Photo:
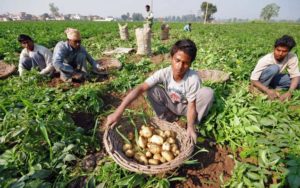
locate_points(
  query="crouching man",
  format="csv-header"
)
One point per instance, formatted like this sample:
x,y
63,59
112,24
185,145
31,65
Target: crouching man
x,y
69,57
174,91
34,56
268,73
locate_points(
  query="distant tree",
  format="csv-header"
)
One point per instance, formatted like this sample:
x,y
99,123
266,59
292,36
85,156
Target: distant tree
x,y
53,9
269,11
137,17
210,8
125,17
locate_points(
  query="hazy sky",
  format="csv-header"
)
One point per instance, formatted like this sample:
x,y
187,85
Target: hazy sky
x,y
289,9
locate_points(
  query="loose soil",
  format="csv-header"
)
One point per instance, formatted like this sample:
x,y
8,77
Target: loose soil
x,y
211,166
157,59
83,120
58,83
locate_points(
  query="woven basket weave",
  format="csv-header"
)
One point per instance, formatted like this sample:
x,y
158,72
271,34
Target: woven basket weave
x,y
113,145
6,69
213,75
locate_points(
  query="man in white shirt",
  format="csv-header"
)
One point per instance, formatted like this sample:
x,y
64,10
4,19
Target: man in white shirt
x,y
174,91
34,55
268,73
149,17
188,27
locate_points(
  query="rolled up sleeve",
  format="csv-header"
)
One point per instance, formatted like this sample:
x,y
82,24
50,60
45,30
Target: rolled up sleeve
x,y
293,68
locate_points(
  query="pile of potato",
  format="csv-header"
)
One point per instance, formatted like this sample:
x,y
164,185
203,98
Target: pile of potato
x,y
153,146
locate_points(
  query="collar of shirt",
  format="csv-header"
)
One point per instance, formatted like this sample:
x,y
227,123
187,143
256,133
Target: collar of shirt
x,y
280,62
69,47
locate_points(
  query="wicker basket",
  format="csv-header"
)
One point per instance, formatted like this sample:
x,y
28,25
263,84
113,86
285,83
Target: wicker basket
x,y
113,145
6,70
213,75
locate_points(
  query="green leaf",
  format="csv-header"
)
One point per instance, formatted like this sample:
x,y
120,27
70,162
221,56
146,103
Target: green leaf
x,y
41,174
122,136
163,183
91,183
253,176
138,180
292,163
266,122
253,129
177,179
189,162
126,180
294,181
69,157
253,118
18,185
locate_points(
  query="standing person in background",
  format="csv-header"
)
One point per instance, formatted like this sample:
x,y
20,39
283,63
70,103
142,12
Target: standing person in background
x,y
149,17
268,73
69,57
34,55
188,27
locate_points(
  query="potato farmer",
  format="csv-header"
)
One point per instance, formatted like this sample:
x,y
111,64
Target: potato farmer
x,y
34,55
149,17
268,73
69,57
188,27
174,91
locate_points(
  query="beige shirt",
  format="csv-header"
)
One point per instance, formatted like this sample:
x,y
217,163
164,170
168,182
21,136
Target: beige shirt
x,y
290,62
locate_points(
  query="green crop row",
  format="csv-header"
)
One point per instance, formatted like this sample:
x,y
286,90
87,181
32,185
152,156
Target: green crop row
x,y
40,145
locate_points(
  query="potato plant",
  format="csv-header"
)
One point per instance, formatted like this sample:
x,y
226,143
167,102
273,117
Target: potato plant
x,y
40,146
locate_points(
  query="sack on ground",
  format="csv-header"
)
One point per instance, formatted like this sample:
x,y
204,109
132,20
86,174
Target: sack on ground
x,y
123,30
164,35
143,38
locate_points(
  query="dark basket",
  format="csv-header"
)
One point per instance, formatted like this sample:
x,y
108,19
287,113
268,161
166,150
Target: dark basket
x,y
113,143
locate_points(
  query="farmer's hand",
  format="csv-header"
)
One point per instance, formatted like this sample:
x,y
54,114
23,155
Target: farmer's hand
x,y
191,133
272,94
113,118
286,96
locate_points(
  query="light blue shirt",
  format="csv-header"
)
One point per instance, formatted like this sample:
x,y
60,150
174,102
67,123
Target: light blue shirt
x,y
64,53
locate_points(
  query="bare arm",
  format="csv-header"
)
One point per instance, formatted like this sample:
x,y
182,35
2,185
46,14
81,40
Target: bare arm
x,y
271,93
293,86
135,93
191,117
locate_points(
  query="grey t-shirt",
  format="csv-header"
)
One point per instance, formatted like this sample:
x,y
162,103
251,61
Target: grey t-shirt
x,y
183,91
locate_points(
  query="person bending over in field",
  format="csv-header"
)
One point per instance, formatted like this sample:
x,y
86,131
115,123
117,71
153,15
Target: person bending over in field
x,y
34,55
173,91
188,27
268,73
69,57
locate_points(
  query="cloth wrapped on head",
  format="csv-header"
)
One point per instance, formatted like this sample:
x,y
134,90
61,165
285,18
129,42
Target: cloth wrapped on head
x,y
72,34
